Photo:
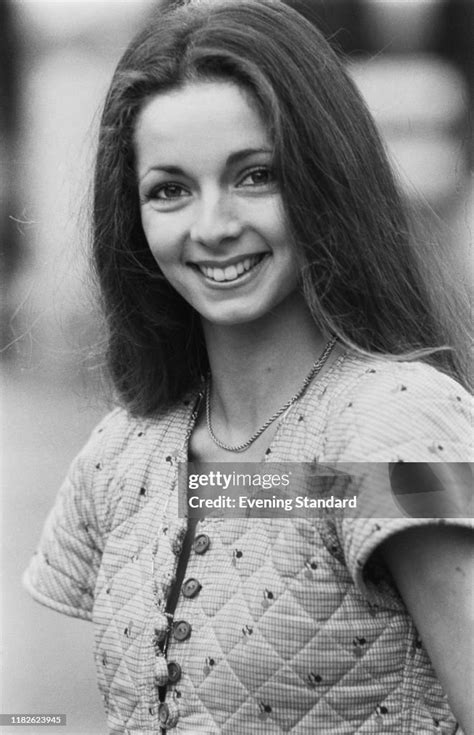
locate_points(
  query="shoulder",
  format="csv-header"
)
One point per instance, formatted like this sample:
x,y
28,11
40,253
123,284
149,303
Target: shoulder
x,y
368,381
120,434
108,439
387,410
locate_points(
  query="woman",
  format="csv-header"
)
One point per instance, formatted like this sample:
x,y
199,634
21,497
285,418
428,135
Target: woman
x,y
264,303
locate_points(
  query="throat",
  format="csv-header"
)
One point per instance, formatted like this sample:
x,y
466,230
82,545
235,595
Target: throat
x,y
201,448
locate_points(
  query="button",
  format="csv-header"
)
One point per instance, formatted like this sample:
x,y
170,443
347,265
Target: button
x,y
201,543
191,587
181,630
163,713
168,714
174,672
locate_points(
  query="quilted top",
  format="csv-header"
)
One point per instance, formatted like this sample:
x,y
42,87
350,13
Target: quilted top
x,y
293,627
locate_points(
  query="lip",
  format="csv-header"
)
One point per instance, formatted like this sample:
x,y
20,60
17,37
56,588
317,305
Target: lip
x,y
225,263
237,282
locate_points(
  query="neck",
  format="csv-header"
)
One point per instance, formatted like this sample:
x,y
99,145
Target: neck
x,y
256,367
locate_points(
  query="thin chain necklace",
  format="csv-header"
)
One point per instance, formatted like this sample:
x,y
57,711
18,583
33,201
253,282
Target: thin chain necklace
x,y
317,367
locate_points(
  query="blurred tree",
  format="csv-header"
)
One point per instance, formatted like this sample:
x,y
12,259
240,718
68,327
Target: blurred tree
x,y
10,247
339,20
454,42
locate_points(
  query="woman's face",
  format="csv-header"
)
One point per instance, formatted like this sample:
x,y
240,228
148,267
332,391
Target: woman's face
x,y
211,209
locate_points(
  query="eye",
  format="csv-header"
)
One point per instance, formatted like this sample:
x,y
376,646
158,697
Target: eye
x,y
169,192
258,176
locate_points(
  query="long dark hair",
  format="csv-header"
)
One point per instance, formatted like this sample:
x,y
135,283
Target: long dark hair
x,y
360,271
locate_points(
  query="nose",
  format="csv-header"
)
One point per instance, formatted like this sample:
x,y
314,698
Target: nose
x,y
215,221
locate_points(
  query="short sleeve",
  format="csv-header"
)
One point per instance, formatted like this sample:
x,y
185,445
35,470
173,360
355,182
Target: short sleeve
x,y
63,571
408,428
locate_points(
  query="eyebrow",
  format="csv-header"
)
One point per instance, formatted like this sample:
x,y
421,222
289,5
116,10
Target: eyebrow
x,y
239,156
232,159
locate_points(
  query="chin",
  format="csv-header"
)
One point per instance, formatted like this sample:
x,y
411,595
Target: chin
x,y
232,317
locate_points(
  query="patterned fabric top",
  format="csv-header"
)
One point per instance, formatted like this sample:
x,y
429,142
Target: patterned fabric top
x,y
282,625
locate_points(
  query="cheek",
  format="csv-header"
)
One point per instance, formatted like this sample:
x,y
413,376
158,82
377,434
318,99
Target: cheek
x,y
163,239
276,226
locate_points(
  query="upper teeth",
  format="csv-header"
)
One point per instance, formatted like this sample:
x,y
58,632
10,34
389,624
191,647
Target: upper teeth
x,y
231,272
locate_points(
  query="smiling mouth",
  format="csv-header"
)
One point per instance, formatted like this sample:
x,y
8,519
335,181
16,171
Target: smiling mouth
x,y
231,272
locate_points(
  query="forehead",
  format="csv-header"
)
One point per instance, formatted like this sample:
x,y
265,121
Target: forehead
x,y
215,116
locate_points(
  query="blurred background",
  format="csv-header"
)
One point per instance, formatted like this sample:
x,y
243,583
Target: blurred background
x,y
412,60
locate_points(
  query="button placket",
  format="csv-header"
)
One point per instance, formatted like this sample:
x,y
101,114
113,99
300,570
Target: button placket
x,y
161,671
166,550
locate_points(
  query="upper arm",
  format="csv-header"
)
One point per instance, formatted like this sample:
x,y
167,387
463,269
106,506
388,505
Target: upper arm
x,y
402,423
433,569
63,572
410,413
